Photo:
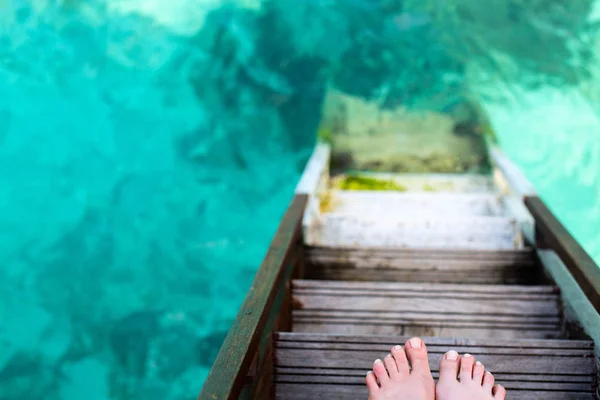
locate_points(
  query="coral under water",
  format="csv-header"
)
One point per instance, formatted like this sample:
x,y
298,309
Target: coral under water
x,y
148,150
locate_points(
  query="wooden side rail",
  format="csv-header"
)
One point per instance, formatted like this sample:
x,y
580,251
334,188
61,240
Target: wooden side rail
x,y
246,347
551,234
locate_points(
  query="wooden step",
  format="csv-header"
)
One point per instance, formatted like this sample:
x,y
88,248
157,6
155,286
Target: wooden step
x,y
426,309
382,205
334,366
425,265
451,232
438,183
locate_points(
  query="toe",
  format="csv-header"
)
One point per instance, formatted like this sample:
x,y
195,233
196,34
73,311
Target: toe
x,y
391,367
499,392
417,355
466,368
478,371
380,372
449,367
488,380
372,383
401,360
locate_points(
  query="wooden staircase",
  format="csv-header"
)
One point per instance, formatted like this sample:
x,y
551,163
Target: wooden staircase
x,y
455,264
312,366
449,266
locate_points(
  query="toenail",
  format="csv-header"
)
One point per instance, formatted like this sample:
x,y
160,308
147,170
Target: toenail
x,y
388,356
467,355
370,373
477,363
452,355
398,347
415,343
378,361
488,372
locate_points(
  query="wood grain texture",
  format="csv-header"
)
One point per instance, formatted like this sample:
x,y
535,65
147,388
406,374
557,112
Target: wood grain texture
x,y
334,366
578,312
421,309
553,235
226,378
422,265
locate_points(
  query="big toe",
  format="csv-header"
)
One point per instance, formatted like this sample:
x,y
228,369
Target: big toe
x,y
449,365
417,355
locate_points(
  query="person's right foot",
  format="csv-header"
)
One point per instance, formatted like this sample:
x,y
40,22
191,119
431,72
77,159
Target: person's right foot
x,y
475,382
394,379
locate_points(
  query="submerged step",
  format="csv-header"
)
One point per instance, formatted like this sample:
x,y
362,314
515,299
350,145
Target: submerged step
x,y
422,265
391,205
417,231
334,366
438,183
426,309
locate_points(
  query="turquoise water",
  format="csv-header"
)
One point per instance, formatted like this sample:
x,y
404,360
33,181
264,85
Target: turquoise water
x,y
149,150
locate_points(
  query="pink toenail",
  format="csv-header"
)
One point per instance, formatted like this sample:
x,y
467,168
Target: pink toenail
x,y
452,355
388,356
467,355
398,347
415,343
477,363
378,361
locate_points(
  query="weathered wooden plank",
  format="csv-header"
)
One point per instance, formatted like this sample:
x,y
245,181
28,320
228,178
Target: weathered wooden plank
x,y
578,311
425,289
413,265
334,366
553,235
479,330
443,304
433,343
359,373
287,391
226,378
352,380
384,205
457,319
503,257
484,233
419,309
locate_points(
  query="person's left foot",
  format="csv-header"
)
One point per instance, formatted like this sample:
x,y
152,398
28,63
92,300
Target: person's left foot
x,y
393,379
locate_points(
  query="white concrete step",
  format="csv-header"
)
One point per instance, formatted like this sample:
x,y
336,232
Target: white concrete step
x,y
399,205
419,232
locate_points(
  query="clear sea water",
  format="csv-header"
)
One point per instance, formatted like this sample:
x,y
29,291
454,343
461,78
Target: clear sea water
x,y
149,148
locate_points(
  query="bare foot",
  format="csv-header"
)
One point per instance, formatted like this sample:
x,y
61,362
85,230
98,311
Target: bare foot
x,y
399,381
475,382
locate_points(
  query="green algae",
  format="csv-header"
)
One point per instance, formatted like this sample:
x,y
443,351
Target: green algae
x,y
356,182
326,202
325,135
